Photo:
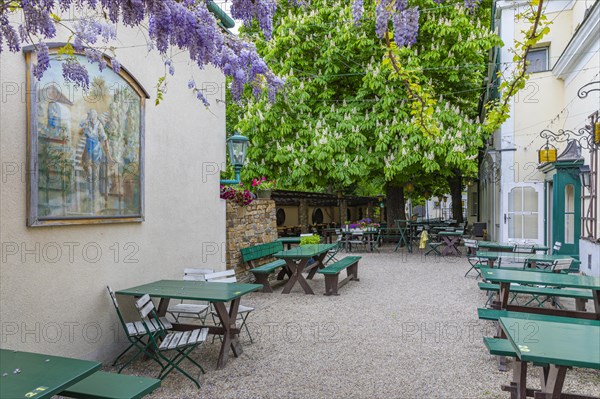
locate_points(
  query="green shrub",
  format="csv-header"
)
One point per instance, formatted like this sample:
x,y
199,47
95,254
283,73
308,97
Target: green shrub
x,y
314,239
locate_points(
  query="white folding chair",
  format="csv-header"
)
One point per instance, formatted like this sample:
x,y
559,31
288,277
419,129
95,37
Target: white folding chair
x,y
562,265
556,247
524,248
228,276
550,265
191,310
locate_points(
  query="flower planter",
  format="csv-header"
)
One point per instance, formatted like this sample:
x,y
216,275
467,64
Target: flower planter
x,y
264,194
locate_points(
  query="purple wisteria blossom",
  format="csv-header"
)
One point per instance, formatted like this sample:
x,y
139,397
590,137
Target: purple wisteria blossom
x,y
115,65
96,57
76,73
43,60
263,10
471,5
200,96
357,10
406,27
382,18
400,5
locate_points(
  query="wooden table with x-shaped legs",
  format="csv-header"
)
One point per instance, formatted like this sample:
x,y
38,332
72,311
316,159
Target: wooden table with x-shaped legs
x,y
297,262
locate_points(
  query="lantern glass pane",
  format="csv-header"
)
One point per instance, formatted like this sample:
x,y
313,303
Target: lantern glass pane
x,y
237,152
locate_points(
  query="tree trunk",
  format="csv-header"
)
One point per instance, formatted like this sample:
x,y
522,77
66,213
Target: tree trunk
x,y
394,205
456,187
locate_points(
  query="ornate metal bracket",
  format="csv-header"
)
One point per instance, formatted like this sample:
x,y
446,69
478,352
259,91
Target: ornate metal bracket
x,y
582,136
584,90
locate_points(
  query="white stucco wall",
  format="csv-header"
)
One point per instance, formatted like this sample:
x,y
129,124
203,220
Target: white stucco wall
x,y
62,307
589,255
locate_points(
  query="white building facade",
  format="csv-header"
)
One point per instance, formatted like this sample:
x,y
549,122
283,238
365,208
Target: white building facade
x,y
521,199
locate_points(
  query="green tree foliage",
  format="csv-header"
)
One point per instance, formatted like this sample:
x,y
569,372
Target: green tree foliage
x,y
359,109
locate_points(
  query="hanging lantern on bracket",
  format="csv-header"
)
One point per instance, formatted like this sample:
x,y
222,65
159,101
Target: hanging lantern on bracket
x,y
547,153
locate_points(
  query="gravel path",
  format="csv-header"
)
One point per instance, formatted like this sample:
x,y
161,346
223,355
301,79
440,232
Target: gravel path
x,y
397,333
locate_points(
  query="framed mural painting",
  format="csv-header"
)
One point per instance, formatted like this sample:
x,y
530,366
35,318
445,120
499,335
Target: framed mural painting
x,y
85,147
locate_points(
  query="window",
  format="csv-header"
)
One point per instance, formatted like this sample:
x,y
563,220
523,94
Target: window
x,y
569,214
522,215
537,59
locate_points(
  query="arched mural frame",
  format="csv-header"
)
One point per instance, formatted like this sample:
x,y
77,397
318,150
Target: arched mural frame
x,y
85,148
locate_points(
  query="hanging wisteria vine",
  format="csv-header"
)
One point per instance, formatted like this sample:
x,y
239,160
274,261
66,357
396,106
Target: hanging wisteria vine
x,y
186,24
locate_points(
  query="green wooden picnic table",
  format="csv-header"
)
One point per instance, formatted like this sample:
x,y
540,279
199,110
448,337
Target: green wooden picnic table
x,y
216,293
33,375
288,241
297,260
556,346
507,276
507,247
530,259
451,241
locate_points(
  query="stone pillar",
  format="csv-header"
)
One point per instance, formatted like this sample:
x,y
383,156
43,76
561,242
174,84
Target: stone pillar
x,y
247,226
303,215
343,211
369,211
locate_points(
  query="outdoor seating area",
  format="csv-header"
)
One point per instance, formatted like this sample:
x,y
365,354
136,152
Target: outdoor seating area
x,y
173,355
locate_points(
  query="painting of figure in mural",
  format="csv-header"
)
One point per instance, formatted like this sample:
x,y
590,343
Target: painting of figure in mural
x,y
87,147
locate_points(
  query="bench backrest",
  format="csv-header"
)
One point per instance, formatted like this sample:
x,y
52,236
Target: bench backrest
x,y
562,264
524,249
261,250
471,243
556,247
190,274
227,276
477,230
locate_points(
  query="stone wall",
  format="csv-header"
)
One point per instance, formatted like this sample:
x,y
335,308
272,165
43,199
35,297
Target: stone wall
x,y
246,226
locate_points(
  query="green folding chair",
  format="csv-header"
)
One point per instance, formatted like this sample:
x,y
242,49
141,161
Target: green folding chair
x,y
182,343
339,244
135,333
471,247
432,246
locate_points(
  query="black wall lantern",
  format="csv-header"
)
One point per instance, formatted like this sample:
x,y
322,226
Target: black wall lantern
x,y
585,175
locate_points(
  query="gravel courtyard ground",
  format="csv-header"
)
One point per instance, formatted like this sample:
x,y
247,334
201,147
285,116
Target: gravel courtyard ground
x,y
407,329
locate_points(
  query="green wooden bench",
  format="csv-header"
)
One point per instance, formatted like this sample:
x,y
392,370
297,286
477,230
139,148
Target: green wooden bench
x,y
496,314
499,347
502,347
332,273
581,297
102,385
252,254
